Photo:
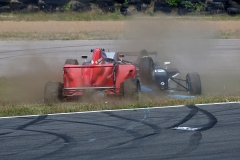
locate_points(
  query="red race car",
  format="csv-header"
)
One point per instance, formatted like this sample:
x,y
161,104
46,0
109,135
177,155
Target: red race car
x,y
105,75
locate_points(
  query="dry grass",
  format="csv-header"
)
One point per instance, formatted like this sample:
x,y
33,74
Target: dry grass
x,y
16,107
98,15
66,16
7,109
97,35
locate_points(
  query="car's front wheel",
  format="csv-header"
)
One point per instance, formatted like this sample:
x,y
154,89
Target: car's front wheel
x,y
146,70
193,83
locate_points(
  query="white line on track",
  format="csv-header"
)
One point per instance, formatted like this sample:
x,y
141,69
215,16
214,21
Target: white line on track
x,y
222,103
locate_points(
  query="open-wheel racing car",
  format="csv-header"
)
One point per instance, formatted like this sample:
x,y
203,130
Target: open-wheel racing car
x,y
154,75
101,77
107,74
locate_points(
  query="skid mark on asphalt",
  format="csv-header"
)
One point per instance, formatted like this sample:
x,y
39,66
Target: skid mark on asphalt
x,y
69,143
22,127
40,118
156,128
197,136
192,113
137,123
98,124
138,138
3,134
212,120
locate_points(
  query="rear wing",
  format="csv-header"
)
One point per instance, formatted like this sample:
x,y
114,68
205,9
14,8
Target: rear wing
x,y
137,53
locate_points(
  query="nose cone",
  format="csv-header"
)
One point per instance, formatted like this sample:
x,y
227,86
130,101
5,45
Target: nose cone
x,y
97,56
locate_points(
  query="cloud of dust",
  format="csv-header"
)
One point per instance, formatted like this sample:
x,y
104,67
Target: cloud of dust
x,y
27,77
188,45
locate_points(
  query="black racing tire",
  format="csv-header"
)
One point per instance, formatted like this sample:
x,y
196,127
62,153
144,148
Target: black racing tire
x,y
163,9
135,2
30,9
15,5
146,70
222,1
217,11
79,6
56,2
208,9
193,83
108,9
233,10
28,1
231,2
71,61
235,6
138,7
182,11
220,7
146,1
197,1
158,4
131,89
53,92
85,1
104,3
5,9
120,1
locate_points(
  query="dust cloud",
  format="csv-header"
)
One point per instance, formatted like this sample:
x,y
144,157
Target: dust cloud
x,y
27,76
190,47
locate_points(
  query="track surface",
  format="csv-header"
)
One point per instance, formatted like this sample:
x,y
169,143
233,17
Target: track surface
x,y
217,61
127,134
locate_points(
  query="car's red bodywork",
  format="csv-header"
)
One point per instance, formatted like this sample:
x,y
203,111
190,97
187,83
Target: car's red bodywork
x,y
98,75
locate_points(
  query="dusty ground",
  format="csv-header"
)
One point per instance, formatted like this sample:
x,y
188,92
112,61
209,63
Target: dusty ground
x,y
111,26
64,27
103,30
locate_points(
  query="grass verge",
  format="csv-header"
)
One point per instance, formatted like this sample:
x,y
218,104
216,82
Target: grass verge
x,y
97,35
66,16
98,15
37,109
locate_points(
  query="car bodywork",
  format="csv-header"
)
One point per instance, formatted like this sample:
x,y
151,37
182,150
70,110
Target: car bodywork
x,y
102,76
164,78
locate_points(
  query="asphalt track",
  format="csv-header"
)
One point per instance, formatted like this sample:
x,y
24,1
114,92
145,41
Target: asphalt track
x,y
211,132
216,60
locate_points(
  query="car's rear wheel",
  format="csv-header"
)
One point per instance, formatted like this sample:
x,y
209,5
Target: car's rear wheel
x,y
131,89
53,92
71,61
146,70
193,83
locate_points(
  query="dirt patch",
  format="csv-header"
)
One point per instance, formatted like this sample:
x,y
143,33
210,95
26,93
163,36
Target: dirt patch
x,y
111,26
61,27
